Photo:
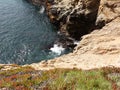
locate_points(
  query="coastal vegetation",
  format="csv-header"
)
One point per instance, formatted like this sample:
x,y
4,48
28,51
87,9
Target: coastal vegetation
x,y
26,78
95,50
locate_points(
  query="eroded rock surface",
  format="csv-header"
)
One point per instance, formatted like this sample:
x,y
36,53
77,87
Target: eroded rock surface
x,y
108,11
75,18
99,49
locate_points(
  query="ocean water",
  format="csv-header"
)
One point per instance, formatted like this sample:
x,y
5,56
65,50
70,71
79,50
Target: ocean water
x,y
26,35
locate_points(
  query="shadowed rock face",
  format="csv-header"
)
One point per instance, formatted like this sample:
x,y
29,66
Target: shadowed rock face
x,y
98,49
74,17
101,48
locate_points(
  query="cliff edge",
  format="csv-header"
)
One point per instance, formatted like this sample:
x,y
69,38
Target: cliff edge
x,y
98,49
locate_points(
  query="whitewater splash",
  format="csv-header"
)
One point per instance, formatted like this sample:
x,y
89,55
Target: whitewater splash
x,y
42,10
76,42
58,49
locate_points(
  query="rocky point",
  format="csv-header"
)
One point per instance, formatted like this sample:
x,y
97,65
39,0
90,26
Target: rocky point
x,y
100,18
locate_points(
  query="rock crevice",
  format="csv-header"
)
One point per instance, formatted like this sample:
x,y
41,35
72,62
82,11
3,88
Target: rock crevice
x,y
74,17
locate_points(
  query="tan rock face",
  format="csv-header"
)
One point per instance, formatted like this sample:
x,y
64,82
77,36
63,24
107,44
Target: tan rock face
x,y
98,49
74,17
108,11
104,41
78,17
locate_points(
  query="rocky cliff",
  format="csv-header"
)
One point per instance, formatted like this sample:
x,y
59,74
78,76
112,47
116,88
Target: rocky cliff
x,y
108,11
98,49
74,17
78,17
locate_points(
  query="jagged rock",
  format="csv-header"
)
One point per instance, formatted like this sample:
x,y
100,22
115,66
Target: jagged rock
x,y
101,48
108,11
74,17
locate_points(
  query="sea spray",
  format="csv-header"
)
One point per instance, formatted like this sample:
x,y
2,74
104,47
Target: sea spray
x,y
58,49
42,9
76,42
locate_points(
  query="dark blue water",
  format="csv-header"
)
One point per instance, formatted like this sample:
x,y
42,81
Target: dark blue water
x,y
25,34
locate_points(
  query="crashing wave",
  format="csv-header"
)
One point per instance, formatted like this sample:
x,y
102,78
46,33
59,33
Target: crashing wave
x,y
76,42
42,9
58,49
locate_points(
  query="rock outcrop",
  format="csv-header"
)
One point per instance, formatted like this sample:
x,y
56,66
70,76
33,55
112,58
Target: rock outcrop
x,y
98,49
108,11
75,18
101,48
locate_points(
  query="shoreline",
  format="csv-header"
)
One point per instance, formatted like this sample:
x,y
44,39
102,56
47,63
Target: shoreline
x,y
98,49
102,51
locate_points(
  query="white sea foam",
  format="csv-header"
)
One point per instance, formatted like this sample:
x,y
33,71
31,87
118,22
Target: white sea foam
x,y
42,9
58,32
76,42
58,49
